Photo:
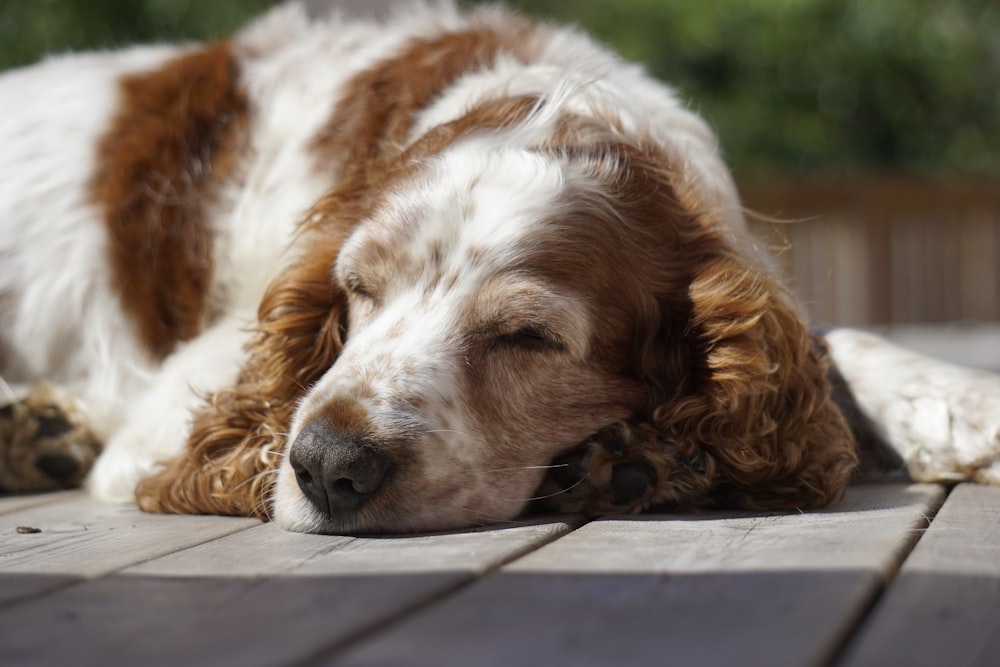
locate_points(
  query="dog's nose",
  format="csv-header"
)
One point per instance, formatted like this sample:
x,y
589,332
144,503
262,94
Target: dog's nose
x,y
336,471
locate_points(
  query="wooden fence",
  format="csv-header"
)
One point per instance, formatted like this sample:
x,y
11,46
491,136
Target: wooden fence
x,y
887,251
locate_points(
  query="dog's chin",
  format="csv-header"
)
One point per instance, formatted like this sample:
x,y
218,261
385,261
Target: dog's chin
x,y
292,511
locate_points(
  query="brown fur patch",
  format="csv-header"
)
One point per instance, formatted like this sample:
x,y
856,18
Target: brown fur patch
x,y
176,137
379,104
345,414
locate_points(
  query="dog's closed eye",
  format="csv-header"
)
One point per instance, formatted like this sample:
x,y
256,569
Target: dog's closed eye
x,y
530,337
360,288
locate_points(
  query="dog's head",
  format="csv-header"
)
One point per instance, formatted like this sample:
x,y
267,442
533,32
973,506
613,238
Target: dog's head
x,y
488,328
500,297
503,301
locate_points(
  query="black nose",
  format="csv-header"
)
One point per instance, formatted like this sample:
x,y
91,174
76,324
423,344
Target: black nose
x,y
336,471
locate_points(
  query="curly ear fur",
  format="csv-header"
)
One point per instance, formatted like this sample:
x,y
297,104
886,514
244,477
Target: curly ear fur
x,y
760,405
752,424
238,437
740,411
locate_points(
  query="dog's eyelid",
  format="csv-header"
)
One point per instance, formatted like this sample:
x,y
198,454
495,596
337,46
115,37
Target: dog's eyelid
x,y
535,338
527,336
355,285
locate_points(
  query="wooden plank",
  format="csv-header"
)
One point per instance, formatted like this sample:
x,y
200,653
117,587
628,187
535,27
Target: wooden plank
x,y
80,538
714,589
259,597
944,607
9,504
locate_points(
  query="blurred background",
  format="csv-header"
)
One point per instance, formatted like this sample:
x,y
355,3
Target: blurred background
x,y
872,128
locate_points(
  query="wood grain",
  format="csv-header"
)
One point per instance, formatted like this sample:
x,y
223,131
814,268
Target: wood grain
x,y
10,504
708,590
80,538
258,597
944,607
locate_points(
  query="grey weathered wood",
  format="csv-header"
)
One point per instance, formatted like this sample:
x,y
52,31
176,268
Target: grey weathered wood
x,y
82,538
258,597
10,504
678,590
944,607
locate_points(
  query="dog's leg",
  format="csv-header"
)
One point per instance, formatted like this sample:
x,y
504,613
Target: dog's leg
x,y
159,421
942,420
46,441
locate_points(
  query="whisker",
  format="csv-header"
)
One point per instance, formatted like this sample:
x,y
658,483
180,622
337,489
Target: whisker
x,y
261,475
259,436
261,508
298,383
261,504
494,518
552,495
512,468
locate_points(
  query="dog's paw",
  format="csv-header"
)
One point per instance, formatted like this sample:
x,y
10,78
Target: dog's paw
x,y
955,428
988,474
943,420
623,469
46,442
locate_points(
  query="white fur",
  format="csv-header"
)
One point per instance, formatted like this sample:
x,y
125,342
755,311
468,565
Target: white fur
x,y
943,420
158,420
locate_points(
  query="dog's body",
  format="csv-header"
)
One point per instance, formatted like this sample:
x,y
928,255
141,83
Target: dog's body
x,y
425,259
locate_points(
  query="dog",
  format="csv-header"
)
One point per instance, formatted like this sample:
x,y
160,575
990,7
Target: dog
x,y
417,275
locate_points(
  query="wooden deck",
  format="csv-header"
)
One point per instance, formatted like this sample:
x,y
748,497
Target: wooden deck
x,y
895,574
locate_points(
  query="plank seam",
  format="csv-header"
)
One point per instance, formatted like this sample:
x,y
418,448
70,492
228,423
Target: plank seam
x,y
84,579
323,654
916,534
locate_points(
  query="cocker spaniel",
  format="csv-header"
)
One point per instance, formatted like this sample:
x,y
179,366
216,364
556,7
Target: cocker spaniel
x,y
417,275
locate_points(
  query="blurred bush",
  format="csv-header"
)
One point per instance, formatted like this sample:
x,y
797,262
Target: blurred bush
x,y
828,86
808,87
32,28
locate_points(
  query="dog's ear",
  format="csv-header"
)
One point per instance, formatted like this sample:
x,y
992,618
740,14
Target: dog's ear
x,y
238,435
755,398
230,463
739,411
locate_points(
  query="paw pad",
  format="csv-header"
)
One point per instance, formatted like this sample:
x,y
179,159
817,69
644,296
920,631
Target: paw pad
x,y
45,442
59,467
630,481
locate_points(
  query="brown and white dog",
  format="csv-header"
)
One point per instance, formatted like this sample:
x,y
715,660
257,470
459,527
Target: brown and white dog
x,y
414,275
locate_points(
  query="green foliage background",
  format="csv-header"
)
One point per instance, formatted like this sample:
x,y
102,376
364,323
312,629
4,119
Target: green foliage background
x,y
824,85
806,87
32,28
